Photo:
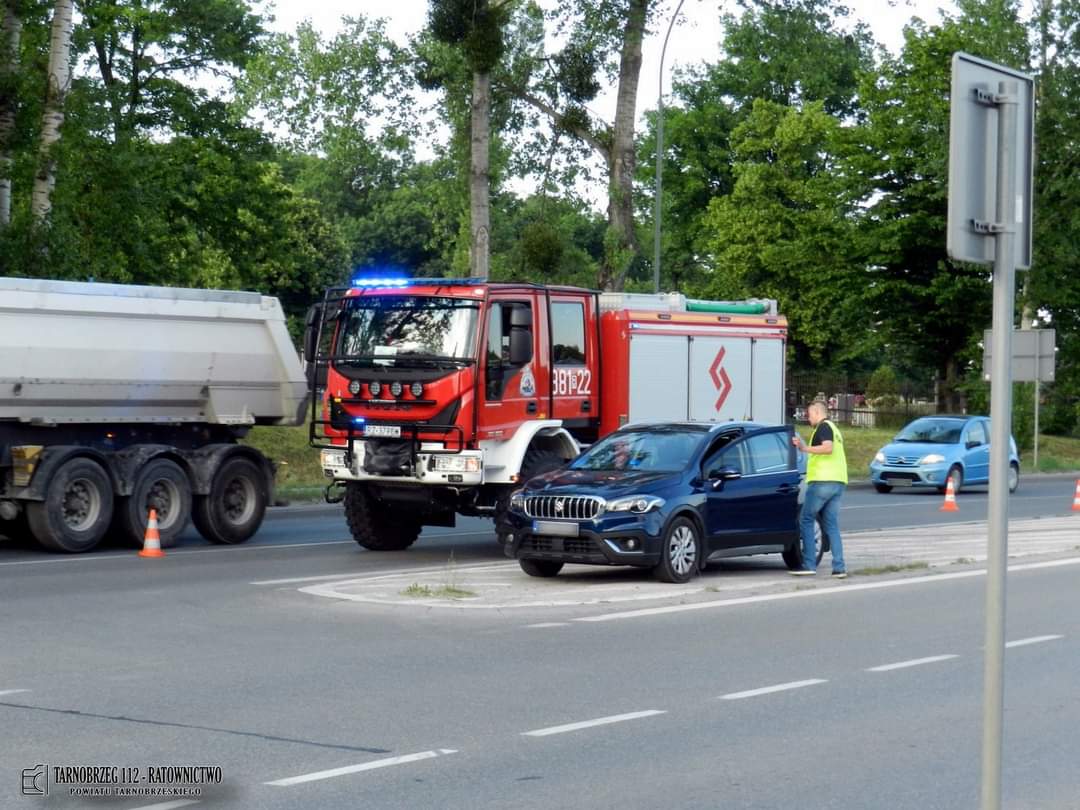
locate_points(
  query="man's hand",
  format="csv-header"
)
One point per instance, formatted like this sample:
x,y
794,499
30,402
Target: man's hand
x,y
798,442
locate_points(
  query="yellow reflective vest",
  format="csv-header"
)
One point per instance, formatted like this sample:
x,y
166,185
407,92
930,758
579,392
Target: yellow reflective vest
x,y
831,467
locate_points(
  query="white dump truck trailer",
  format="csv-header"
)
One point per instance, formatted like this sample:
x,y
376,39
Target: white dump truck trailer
x,y
116,399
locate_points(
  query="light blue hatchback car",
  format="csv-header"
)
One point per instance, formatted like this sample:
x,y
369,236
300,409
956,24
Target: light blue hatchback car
x,y
933,449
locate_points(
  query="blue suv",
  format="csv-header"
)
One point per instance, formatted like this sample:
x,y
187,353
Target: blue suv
x,y
670,497
933,449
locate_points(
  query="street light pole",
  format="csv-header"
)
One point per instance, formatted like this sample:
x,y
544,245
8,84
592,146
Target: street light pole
x,y
660,152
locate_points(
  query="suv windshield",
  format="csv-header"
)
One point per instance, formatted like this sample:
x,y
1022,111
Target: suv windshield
x,y
932,431
645,451
386,330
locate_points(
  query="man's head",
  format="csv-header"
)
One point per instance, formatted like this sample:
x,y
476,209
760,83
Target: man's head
x,y
817,413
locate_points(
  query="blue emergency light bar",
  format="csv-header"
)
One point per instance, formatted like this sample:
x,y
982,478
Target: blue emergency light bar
x,y
373,283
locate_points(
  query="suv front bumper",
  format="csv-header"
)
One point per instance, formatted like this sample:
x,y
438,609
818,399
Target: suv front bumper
x,y
610,540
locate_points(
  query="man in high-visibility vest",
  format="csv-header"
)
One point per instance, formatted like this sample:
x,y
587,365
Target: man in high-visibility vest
x,y
826,480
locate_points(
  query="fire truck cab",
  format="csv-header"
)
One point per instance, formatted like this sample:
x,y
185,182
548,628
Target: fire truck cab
x,y
439,397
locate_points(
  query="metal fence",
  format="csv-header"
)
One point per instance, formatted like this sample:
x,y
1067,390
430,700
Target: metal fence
x,y
849,404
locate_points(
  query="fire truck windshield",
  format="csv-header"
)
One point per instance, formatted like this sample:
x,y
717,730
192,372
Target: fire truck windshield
x,y
407,330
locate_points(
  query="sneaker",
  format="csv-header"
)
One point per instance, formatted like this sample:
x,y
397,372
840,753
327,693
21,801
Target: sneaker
x,y
802,573
839,575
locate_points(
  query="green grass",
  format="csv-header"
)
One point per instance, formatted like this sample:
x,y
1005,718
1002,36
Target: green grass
x,y
918,565
419,591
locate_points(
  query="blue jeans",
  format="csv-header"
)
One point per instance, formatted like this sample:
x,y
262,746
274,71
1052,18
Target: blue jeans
x,y
822,503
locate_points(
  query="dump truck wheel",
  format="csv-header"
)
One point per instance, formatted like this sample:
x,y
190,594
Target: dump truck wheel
x,y
236,504
163,486
376,527
77,509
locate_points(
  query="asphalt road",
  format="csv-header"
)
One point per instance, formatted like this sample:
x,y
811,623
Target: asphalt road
x,y
853,695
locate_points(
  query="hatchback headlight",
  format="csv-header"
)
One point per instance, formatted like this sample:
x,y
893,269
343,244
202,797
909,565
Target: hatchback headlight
x,y
638,504
880,457
933,458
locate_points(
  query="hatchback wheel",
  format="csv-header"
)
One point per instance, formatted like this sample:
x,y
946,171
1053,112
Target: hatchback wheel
x,y
681,552
956,475
1014,476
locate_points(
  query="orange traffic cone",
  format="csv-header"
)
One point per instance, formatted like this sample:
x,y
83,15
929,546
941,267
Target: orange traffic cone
x,y
1076,497
152,540
950,498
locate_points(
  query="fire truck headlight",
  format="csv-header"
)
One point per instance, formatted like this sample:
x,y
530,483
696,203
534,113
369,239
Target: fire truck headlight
x,y
354,387
375,388
457,464
417,389
396,388
638,504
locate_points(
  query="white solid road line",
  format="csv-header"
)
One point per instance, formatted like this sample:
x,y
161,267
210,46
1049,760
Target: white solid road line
x,y
345,575
848,587
12,691
167,805
548,624
600,721
1023,642
768,690
914,662
363,766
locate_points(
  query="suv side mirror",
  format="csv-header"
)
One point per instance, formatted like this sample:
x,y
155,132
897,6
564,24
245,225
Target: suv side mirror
x,y
721,474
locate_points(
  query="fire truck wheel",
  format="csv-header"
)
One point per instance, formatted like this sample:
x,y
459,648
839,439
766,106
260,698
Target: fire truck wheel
x,y
536,462
77,508
163,486
376,527
681,552
541,568
234,508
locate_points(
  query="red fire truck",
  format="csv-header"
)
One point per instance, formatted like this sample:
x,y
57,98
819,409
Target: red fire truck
x,y
439,397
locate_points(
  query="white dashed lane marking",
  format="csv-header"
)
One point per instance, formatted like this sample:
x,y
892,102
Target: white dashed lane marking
x,y
12,691
363,766
768,690
914,662
548,624
1023,642
600,721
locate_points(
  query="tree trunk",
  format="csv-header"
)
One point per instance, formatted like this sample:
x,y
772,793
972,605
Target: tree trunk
x,y
480,175
623,248
53,116
949,397
9,67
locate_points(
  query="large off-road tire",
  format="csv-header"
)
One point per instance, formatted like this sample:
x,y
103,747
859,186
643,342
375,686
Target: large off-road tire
x,y
77,509
163,486
233,510
537,461
377,527
793,557
541,568
680,555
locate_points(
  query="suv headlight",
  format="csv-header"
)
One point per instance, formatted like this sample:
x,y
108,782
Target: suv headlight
x,y
517,500
933,458
880,457
638,504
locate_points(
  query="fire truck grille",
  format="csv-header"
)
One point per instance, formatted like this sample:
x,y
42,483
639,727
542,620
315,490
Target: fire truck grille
x,y
571,507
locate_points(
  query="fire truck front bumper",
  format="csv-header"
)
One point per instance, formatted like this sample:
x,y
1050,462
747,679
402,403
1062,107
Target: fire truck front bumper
x,y
430,467
609,540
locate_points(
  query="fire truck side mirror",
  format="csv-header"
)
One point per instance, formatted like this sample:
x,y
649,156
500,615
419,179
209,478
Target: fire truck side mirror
x,y
311,333
521,341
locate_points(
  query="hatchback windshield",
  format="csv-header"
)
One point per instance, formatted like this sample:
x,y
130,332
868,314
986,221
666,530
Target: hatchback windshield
x,y
408,330
932,431
646,451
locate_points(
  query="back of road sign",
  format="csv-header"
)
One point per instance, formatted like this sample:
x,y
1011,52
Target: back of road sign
x,y
973,151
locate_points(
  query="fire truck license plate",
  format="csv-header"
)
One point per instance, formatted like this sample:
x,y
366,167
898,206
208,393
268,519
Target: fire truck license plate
x,y
552,529
383,431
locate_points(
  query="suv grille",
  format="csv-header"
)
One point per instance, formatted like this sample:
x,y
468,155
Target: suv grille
x,y
565,507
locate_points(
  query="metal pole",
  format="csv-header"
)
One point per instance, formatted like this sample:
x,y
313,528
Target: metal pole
x,y
660,152
1001,419
1035,458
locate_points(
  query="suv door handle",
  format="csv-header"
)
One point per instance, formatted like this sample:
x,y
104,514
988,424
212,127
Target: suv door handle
x,y
531,408
785,488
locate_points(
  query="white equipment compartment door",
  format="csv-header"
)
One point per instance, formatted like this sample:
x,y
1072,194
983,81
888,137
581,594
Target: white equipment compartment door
x,y
720,378
768,382
658,385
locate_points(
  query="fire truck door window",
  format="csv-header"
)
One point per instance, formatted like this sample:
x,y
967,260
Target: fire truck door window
x,y
568,333
497,354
